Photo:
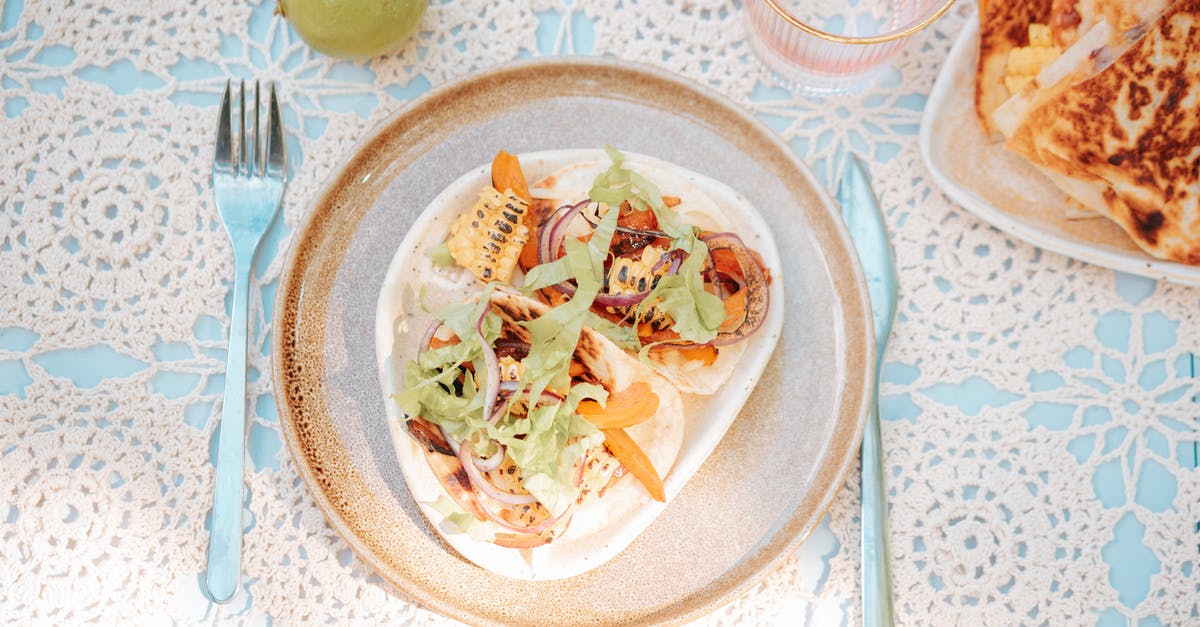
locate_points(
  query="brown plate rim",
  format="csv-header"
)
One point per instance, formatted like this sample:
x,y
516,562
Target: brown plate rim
x,y
856,391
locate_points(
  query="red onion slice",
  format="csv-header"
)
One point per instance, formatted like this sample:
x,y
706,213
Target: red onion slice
x,y
451,442
551,239
605,299
555,230
754,284
490,463
579,467
427,339
531,530
673,257
501,405
629,230
481,483
509,388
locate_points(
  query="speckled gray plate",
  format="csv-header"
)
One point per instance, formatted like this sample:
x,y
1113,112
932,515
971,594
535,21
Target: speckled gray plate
x,y
768,482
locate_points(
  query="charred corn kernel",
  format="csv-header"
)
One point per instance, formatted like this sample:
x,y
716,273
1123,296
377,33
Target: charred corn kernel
x,y
510,369
1039,36
598,468
630,276
487,239
1025,63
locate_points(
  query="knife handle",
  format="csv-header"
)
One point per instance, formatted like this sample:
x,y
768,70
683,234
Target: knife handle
x,y
876,557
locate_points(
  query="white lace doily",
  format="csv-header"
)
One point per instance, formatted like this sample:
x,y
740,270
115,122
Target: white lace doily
x,y
1040,414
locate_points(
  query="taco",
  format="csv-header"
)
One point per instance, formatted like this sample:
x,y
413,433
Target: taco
x,y
468,241
535,446
686,277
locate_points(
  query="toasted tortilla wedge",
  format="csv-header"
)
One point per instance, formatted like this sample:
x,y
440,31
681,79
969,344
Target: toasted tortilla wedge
x,y
1125,141
1071,18
1003,26
1102,33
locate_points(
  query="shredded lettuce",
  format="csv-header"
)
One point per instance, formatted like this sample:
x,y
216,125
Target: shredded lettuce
x,y
546,445
697,313
618,184
441,256
545,275
624,337
431,391
458,521
553,336
547,442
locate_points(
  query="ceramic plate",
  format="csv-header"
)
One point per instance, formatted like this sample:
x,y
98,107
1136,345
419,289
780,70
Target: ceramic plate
x,y
769,480
1000,187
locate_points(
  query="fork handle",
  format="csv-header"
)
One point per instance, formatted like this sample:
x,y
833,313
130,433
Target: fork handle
x,y
225,537
876,561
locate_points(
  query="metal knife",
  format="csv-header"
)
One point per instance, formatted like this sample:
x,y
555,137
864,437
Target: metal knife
x,y
860,210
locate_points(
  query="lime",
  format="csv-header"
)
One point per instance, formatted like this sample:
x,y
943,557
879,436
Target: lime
x,y
353,29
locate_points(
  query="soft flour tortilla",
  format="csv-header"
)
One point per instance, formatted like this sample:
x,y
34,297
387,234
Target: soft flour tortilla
x,y
414,284
705,203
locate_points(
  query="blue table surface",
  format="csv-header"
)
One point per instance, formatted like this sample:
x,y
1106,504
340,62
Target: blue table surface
x,y
85,367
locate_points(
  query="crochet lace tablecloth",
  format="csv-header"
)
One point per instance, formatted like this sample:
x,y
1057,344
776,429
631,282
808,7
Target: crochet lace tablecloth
x,y
1040,418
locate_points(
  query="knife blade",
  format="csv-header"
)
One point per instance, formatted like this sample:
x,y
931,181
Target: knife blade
x,y
864,220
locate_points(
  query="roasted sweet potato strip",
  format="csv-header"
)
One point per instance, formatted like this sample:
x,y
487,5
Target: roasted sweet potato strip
x,y
507,175
706,353
516,541
634,459
735,310
628,407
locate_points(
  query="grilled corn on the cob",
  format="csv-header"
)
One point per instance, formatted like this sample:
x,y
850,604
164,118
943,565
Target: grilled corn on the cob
x,y
488,238
631,276
511,369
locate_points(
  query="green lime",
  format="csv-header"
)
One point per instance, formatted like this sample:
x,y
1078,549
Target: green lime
x,y
353,29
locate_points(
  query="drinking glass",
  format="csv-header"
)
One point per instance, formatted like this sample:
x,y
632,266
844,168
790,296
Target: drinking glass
x,y
828,47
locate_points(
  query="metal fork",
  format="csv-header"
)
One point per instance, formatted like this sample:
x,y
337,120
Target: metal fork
x,y
248,180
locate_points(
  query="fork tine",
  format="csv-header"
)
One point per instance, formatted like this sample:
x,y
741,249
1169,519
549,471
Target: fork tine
x,y
276,156
256,160
223,156
242,153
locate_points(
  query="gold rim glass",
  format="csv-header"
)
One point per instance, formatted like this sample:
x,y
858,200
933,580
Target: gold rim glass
x,y
834,46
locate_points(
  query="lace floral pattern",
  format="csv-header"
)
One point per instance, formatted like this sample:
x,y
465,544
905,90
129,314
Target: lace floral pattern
x,y
1040,413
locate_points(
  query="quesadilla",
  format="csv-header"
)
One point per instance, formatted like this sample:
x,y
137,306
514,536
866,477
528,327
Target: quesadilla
x,y
1120,131
1018,40
1003,28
